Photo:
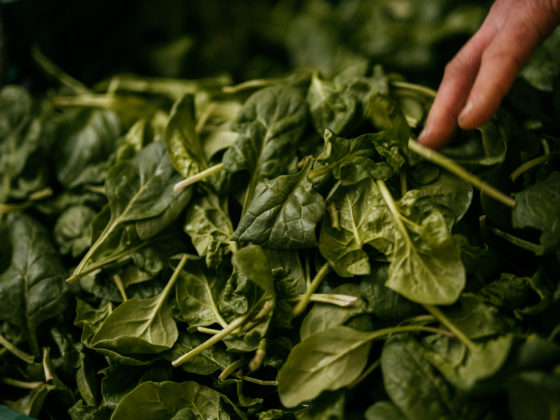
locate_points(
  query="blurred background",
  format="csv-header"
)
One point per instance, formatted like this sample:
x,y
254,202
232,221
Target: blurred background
x,y
92,40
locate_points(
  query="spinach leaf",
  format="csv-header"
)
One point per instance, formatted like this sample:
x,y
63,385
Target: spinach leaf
x,y
181,138
384,410
328,360
209,227
283,214
34,281
197,294
414,386
72,231
163,400
269,124
426,266
537,206
362,219
351,160
140,325
86,139
139,190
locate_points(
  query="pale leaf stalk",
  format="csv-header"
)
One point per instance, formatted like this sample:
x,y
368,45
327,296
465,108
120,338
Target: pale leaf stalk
x,y
20,354
440,316
230,369
454,168
302,304
531,164
330,298
423,90
232,326
118,282
47,368
198,177
21,384
257,381
521,243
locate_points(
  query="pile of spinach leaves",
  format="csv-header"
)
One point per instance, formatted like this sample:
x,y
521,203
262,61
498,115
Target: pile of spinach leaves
x,y
280,248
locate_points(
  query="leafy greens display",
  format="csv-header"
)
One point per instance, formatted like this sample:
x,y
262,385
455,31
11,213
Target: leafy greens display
x,y
278,249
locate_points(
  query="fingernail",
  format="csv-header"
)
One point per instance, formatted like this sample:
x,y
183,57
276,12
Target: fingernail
x,y
465,112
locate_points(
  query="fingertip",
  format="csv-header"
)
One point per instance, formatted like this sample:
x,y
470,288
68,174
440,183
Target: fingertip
x,y
435,136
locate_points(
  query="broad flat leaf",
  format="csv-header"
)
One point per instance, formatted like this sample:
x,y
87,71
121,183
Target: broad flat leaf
x,y
384,410
86,138
464,368
451,196
72,231
486,146
197,293
139,190
328,360
181,138
538,206
283,213
209,227
324,316
163,400
252,263
32,288
414,386
80,411
426,265
139,326
362,219
269,124
351,160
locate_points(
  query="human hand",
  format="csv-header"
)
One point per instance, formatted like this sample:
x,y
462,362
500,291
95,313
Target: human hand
x,y
482,72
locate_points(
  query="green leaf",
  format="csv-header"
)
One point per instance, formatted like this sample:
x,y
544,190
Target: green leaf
x,y
86,138
33,283
140,325
384,410
486,146
537,207
464,368
163,400
328,360
209,227
351,160
79,411
362,219
269,124
181,138
139,190
252,263
426,265
197,294
72,231
413,385
323,316
283,214
206,363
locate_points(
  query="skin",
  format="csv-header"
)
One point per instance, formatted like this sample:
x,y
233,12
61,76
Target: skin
x,y
482,72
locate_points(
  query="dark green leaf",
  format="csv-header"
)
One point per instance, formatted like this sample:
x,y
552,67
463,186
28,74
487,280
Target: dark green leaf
x,y
33,284
537,207
328,360
283,214
163,400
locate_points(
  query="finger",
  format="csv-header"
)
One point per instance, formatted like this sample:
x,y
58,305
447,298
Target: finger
x,y
504,57
454,88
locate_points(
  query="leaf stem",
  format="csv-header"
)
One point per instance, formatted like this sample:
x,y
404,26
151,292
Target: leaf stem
x,y
198,177
531,164
521,243
330,298
36,196
47,368
80,272
49,67
20,354
423,90
257,381
120,286
205,330
230,369
232,326
302,304
454,168
174,277
21,384
440,316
